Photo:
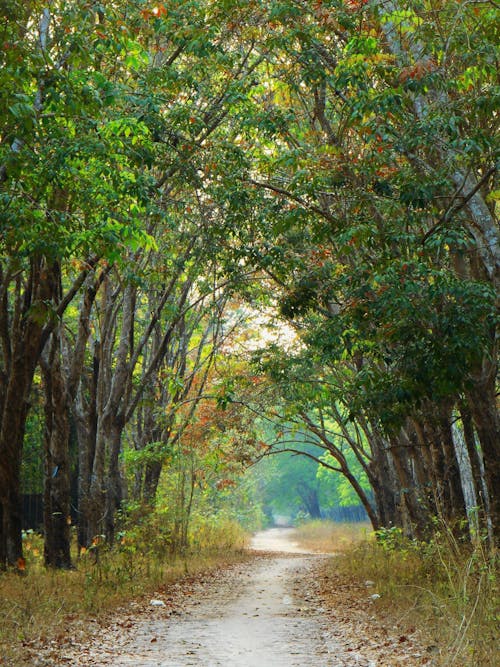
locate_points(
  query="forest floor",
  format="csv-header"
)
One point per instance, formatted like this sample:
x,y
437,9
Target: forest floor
x,y
279,609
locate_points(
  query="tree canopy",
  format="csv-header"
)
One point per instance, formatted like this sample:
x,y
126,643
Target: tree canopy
x,y
169,173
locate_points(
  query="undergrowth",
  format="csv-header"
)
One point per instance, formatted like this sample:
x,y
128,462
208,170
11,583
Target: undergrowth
x,y
449,589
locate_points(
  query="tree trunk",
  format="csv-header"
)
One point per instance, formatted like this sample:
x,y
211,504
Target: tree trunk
x,y
152,474
57,549
383,477
13,421
114,482
416,521
425,450
25,326
86,428
467,479
477,467
482,406
11,548
455,510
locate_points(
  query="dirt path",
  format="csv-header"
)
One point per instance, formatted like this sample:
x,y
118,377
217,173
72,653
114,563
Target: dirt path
x,y
264,613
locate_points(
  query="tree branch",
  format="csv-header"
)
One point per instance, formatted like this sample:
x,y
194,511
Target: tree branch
x,y
448,215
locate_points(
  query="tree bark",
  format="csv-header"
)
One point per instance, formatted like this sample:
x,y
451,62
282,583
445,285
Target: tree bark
x,y
22,333
416,522
477,467
455,510
57,548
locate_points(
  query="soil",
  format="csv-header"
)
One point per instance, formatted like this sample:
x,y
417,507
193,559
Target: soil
x,y
277,610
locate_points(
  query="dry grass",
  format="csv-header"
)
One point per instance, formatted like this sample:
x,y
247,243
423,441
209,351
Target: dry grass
x,y
447,589
330,537
43,604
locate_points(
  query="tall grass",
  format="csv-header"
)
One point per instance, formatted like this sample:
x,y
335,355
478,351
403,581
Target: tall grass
x,y
219,533
331,537
449,589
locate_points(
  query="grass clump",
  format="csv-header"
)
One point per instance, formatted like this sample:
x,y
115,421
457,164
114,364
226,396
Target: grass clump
x,y
216,533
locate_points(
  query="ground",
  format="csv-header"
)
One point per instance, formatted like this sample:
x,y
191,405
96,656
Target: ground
x,y
280,609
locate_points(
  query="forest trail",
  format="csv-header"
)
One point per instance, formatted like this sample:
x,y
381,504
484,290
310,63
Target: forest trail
x,y
263,613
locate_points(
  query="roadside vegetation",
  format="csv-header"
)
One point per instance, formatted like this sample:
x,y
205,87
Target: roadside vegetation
x,y
446,589
331,537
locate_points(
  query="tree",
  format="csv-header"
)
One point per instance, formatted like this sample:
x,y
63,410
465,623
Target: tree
x,y
150,155
108,110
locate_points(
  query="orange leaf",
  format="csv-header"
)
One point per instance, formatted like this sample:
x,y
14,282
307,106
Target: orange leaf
x,y
160,10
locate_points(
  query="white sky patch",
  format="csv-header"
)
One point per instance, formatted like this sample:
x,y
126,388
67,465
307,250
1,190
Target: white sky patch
x,y
255,329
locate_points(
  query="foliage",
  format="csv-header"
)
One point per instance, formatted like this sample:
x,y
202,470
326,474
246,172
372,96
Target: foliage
x,y
70,188
336,488
205,452
287,482
334,162
378,193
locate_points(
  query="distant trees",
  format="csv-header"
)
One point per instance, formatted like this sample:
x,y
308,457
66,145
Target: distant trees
x,y
297,479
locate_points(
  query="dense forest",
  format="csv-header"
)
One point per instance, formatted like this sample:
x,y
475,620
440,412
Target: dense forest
x,y
230,230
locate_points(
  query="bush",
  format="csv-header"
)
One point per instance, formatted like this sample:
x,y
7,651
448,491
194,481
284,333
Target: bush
x,y
216,533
